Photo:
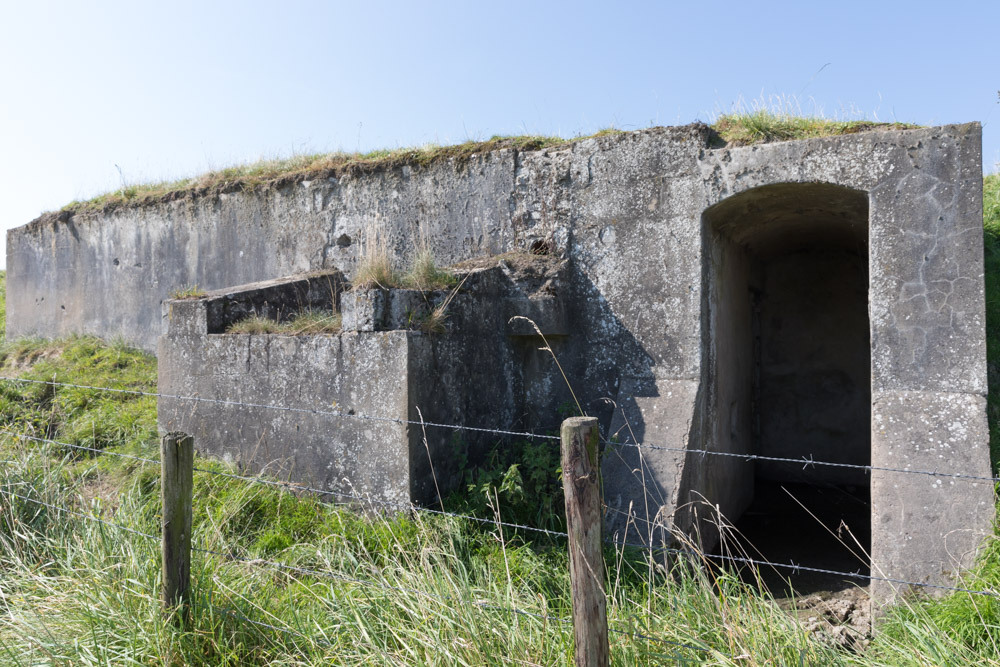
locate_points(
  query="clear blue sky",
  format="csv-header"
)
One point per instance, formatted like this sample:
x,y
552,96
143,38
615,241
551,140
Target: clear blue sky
x,y
171,89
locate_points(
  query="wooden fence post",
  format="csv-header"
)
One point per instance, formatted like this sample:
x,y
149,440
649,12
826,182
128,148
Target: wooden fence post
x,y
176,485
582,487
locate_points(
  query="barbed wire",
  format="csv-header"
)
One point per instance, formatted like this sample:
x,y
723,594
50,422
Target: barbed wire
x,y
366,582
267,406
749,457
804,462
485,604
25,436
84,515
663,549
756,562
297,487
437,596
800,568
384,503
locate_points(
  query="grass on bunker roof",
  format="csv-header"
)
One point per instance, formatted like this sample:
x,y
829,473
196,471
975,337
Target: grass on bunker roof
x,y
317,165
737,129
765,126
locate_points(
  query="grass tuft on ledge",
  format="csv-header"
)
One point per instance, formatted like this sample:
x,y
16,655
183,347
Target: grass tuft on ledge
x,y
309,323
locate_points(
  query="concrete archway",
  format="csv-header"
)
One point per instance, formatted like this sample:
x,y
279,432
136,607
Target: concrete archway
x,y
788,372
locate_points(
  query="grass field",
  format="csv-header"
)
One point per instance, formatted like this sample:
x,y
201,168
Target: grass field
x,y
401,589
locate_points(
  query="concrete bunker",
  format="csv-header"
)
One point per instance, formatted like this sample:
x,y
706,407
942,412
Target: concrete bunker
x,y
664,232
789,372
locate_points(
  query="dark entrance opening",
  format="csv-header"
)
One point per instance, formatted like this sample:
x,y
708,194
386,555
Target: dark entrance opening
x,y
791,379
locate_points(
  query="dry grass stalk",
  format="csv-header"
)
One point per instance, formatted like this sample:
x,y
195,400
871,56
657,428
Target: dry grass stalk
x,y
375,269
435,320
309,323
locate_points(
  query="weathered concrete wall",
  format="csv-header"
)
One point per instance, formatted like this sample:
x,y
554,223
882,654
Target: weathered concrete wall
x,y
358,372
651,329
815,366
134,258
738,276
354,413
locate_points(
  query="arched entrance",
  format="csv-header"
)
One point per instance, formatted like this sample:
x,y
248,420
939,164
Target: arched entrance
x,y
789,373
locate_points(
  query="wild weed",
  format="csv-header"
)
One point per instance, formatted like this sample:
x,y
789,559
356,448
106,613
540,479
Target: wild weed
x,y
375,268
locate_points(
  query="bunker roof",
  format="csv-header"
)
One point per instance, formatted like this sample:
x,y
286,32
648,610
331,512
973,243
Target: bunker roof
x,y
728,130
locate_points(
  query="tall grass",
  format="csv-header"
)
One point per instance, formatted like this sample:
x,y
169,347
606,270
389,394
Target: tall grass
x,y
418,590
394,589
3,306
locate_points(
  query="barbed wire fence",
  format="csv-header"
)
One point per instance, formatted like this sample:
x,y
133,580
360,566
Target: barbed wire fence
x,y
356,500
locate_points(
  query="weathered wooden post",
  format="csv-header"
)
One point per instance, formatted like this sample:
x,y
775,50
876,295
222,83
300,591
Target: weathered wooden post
x,y
176,485
582,488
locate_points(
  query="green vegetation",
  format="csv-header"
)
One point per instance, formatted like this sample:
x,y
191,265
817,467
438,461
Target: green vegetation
x,y
426,275
520,481
80,592
319,165
757,126
3,304
188,292
400,589
763,126
308,323
79,416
